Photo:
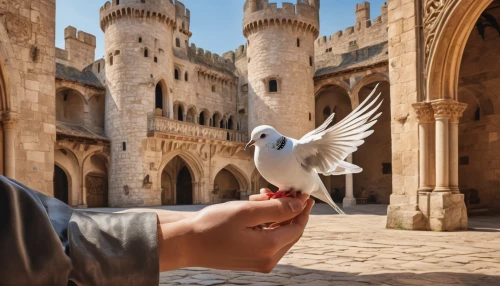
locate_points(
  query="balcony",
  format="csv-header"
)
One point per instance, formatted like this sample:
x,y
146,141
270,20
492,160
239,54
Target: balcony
x,y
163,125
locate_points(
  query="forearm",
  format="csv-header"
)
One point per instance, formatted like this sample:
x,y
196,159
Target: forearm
x,y
174,245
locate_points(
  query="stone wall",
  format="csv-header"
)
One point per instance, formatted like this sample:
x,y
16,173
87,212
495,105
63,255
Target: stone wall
x,y
27,56
365,33
79,50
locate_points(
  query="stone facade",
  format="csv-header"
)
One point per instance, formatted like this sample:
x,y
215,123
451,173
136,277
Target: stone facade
x,y
159,120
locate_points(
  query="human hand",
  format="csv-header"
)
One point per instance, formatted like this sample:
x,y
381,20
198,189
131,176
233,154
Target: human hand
x,y
228,236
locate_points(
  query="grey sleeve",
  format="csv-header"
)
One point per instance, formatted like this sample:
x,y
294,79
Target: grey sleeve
x,y
114,249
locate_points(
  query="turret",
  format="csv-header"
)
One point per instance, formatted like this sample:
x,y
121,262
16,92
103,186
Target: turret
x,y
138,37
280,57
80,47
182,33
363,14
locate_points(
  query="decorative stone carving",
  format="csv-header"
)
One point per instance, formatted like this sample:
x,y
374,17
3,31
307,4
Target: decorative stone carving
x,y
448,108
424,111
433,14
165,125
18,28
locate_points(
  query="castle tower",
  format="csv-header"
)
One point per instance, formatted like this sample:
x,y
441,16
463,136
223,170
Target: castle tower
x,y
362,14
281,64
139,58
182,33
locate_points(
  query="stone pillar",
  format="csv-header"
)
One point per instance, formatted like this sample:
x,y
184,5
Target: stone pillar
x,y
457,112
447,211
349,199
442,115
9,134
425,117
83,189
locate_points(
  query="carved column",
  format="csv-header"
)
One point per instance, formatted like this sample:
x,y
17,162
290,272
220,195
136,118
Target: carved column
x,y
349,199
10,125
457,111
425,117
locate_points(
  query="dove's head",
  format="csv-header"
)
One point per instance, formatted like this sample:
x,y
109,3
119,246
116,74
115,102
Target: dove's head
x,y
261,135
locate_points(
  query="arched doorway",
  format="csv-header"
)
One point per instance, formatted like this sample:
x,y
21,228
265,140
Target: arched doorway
x,y
202,118
227,186
61,186
333,99
159,97
479,127
375,155
184,188
180,115
96,181
177,183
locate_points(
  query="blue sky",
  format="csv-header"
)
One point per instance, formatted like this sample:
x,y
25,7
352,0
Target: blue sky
x,y
216,24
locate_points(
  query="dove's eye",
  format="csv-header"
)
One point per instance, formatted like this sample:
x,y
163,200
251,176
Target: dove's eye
x,y
263,136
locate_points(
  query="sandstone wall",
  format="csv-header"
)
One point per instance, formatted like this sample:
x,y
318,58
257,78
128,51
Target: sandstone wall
x,y
27,55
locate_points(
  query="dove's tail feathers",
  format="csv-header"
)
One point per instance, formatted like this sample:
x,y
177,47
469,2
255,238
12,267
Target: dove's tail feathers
x,y
344,168
323,195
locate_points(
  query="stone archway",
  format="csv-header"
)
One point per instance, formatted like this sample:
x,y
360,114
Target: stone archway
x,y
95,172
61,185
333,99
184,187
177,185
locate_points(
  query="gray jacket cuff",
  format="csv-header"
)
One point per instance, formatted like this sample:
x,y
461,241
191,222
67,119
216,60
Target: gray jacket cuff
x,y
114,249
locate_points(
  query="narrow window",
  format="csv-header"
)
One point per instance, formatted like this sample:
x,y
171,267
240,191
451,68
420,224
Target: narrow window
x,y
176,74
117,2
98,67
156,59
213,88
186,76
273,85
183,25
310,116
298,43
111,60
311,61
124,146
146,53
140,40
178,43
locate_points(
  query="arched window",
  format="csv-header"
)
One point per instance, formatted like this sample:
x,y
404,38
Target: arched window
x,y
298,43
117,2
186,76
159,96
273,85
140,40
156,59
146,53
202,118
176,74
180,116
230,124
177,42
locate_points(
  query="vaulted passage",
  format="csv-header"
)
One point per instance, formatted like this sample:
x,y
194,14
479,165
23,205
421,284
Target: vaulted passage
x,y
177,183
479,128
227,186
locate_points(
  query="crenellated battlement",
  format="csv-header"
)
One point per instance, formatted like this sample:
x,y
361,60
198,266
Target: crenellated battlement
x,y
363,34
72,33
163,10
261,13
181,10
212,60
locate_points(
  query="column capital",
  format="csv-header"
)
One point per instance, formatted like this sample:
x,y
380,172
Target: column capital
x,y
424,111
448,108
10,123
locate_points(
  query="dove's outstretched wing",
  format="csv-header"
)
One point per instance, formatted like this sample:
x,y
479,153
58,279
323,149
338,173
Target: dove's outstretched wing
x,y
325,149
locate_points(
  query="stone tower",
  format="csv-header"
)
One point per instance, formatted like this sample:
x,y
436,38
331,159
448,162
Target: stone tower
x,y
281,64
139,59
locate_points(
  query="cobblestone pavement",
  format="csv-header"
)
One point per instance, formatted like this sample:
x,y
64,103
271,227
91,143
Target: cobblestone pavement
x,y
358,250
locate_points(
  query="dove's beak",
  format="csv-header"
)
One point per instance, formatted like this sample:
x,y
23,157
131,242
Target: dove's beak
x,y
249,144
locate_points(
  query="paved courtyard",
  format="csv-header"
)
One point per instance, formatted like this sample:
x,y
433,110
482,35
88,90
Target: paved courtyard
x,y
357,250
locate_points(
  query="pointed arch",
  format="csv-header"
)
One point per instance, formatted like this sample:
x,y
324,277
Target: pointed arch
x,y
243,181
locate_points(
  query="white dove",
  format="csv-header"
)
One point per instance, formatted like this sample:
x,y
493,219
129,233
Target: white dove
x,y
292,164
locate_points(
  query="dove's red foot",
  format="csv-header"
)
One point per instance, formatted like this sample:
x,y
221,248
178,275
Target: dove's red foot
x,y
280,194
